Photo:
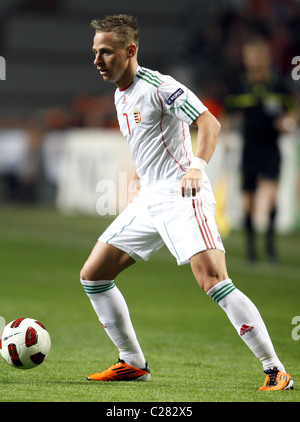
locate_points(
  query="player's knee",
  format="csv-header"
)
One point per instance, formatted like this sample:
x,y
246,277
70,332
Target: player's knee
x,y
83,274
82,277
87,274
210,281
209,277
95,273
209,268
207,281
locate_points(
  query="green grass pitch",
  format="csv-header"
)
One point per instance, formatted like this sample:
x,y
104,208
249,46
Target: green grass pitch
x,y
194,353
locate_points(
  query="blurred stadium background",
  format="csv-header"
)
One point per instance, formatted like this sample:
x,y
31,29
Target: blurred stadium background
x,y
58,126
64,165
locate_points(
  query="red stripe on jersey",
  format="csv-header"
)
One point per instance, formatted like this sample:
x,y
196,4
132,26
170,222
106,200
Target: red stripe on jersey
x,y
162,132
183,143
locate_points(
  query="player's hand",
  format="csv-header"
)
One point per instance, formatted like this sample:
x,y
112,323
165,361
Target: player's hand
x,y
191,183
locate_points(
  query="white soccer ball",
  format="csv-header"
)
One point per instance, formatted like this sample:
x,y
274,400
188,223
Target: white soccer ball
x,y
24,343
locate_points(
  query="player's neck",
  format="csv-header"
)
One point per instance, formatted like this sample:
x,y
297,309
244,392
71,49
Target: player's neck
x,y
128,76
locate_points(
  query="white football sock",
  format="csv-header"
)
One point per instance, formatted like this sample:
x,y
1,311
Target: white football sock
x,y
247,321
113,314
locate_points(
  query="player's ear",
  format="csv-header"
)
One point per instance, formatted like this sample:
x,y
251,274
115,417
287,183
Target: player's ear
x,y
131,50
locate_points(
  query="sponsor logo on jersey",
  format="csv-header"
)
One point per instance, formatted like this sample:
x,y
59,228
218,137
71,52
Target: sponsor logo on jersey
x,y
174,96
137,116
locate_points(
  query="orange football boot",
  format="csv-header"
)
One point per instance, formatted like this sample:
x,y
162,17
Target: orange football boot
x,y
277,380
121,371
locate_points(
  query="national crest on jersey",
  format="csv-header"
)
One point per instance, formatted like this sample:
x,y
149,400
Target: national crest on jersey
x,y
137,116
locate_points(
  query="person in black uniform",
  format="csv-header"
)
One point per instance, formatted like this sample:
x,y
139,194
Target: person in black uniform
x,y
266,108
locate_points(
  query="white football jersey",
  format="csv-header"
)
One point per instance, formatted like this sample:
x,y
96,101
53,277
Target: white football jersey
x,y
154,115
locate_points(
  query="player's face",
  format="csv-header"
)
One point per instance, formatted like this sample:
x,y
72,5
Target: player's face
x,y
111,60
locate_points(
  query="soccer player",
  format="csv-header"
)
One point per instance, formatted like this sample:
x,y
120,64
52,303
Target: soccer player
x,y
174,205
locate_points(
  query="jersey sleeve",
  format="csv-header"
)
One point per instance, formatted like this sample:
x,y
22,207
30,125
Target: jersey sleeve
x,y
179,101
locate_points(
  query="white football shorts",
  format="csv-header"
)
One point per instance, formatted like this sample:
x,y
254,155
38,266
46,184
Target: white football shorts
x,y
185,225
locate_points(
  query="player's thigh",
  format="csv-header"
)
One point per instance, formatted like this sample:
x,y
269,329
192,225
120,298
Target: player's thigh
x,y
105,263
209,268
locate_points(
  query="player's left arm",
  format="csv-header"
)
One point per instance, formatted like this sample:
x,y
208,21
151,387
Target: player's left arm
x,y
208,129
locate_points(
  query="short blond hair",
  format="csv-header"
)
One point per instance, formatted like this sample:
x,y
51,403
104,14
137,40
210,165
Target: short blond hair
x,y
125,28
